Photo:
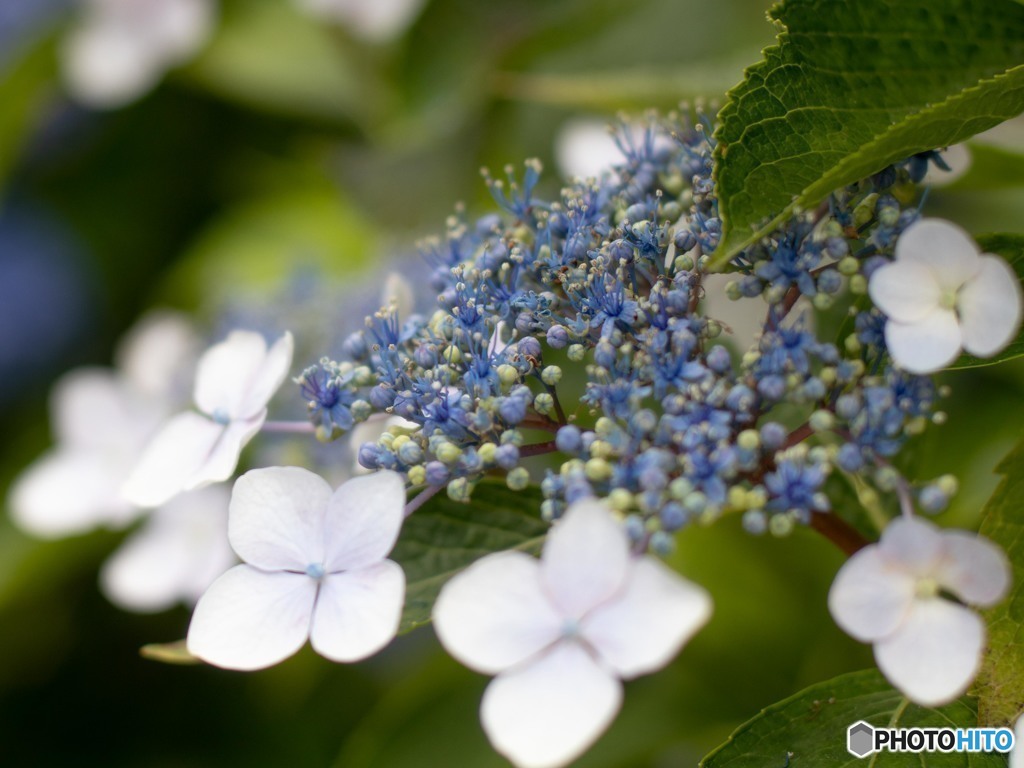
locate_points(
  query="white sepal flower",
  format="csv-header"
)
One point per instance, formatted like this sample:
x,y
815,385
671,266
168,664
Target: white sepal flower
x,y
235,380
121,48
941,295
176,554
889,594
376,21
101,419
561,632
314,569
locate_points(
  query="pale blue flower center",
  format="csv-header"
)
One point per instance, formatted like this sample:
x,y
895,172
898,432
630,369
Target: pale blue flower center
x,y
315,571
221,416
948,298
570,629
926,588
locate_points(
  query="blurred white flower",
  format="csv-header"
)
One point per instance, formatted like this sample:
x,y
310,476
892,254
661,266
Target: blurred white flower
x,y
957,158
101,419
314,569
942,295
889,594
235,380
121,48
176,554
374,20
584,148
561,632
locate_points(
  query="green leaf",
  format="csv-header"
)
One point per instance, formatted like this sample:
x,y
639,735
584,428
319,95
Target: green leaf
x,y
268,55
1000,684
25,90
444,536
853,87
1011,248
809,729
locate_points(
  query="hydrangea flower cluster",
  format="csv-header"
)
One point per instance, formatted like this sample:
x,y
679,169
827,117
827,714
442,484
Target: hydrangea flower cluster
x,y
672,422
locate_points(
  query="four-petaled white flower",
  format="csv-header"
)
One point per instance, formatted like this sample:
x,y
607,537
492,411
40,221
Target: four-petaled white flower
x,y
561,632
314,568
101,419
942,295
174,556
890,594
121,48
235,380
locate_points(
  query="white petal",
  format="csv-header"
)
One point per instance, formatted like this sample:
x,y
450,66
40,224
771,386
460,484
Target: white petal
x,y
547,712
913,545
957,158
974,569
251,619
269,376
905,290
225,373
927,345
221,460
106,66
357,612
171,458
376,21
156,354
174,557
66,492
181,27
870,596
1017,754
584,148
94,409
586,558
990,308
495,613
643,627
935,653
276,519
945,248
364,516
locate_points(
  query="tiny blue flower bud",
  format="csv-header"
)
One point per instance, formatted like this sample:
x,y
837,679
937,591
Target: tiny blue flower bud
x,y
529,347
718,359
557,337
569,439
662,543
355,347
410,453
604,354
755,522
506,456
673,516
382,397
773,435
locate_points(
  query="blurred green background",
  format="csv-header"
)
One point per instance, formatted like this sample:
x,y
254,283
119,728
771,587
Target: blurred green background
x,y
289,148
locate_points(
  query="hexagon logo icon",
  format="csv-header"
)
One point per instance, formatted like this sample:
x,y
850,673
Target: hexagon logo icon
x,y
860,739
